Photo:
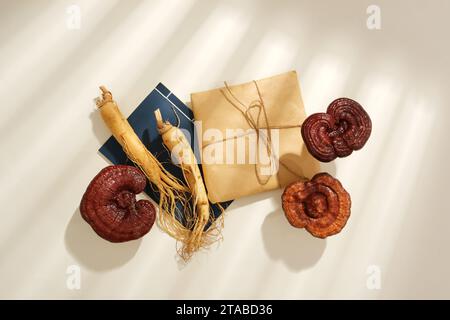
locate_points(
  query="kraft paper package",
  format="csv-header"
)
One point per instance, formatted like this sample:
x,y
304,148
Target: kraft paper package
x,y
250,138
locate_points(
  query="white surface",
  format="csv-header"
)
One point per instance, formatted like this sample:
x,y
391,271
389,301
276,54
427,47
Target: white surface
x,y
50,133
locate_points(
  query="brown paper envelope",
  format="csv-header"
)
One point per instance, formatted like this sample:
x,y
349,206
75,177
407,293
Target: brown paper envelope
x,y
284,107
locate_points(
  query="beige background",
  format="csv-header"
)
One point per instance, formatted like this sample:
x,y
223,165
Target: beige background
x,y
50,134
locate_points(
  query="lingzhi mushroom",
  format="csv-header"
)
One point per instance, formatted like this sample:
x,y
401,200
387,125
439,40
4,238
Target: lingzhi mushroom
x,y
320,205
109,204
345,127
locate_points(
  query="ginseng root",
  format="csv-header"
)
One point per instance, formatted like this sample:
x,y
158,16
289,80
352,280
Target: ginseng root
x,y
170,188
192,236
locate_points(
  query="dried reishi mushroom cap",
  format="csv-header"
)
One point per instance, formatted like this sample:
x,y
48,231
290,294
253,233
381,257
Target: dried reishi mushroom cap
x,y
109,204
345,127
320,205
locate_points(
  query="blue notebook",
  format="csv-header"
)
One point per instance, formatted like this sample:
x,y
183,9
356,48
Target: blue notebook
x,y
144,124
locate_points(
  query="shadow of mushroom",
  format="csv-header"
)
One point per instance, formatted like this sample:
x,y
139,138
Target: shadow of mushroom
x,y
295,166
296,248
328,167
93,252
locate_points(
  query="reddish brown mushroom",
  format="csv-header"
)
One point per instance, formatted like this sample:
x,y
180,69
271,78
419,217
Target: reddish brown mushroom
x,y
109,204
320,205
345,127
